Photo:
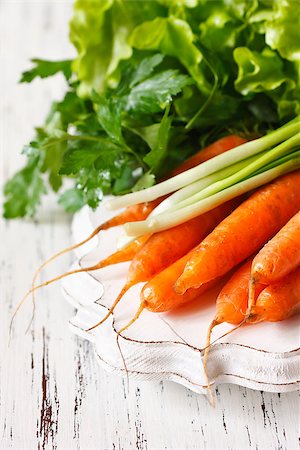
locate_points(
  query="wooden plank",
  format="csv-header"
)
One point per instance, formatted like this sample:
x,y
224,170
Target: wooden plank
x,y
53,395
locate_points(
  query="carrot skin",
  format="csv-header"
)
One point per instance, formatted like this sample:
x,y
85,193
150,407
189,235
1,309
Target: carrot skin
x,y
132,213
125,254
243,232
280,256
158,294
232,301
278,301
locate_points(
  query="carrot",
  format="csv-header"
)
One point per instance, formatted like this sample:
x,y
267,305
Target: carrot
x,y
278,301
164,248
158,294
125,254
243,232
231,305
279,257
232,301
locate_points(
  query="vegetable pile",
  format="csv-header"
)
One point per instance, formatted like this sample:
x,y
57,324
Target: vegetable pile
x,y
151,83
180,263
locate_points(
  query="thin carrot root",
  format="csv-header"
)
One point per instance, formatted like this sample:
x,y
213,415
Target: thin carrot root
x,y
55,256
251,297
205,356
136,316
123,360
112,308
46,283
68,249
214,323
33,312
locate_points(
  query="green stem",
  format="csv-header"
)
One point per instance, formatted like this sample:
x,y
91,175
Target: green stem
x,y
71,137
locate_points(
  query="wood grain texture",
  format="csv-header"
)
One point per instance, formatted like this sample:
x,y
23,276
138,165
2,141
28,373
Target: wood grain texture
x,y
53,395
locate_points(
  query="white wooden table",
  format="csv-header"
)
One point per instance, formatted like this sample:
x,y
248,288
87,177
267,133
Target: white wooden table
x,y
52,393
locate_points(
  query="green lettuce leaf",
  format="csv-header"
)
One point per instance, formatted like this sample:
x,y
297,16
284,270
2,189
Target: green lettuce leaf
x,y
283,29
258,72
99,30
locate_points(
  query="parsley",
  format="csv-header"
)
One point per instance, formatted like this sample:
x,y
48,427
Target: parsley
x,y
44,69
71,200
24,190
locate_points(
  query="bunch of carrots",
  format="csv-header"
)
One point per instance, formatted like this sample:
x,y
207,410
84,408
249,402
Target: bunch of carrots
x,y
256,234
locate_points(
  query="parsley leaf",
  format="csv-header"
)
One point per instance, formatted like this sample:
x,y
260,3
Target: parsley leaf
x,y
71,200
24,191
84,153
147,180
108,111
158,151
152,95
145,68
43,69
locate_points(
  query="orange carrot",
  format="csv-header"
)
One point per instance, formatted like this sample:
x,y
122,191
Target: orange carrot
x,y
232,301
126,253
278,301
279,257
158,294
123,255
231,305
243,232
